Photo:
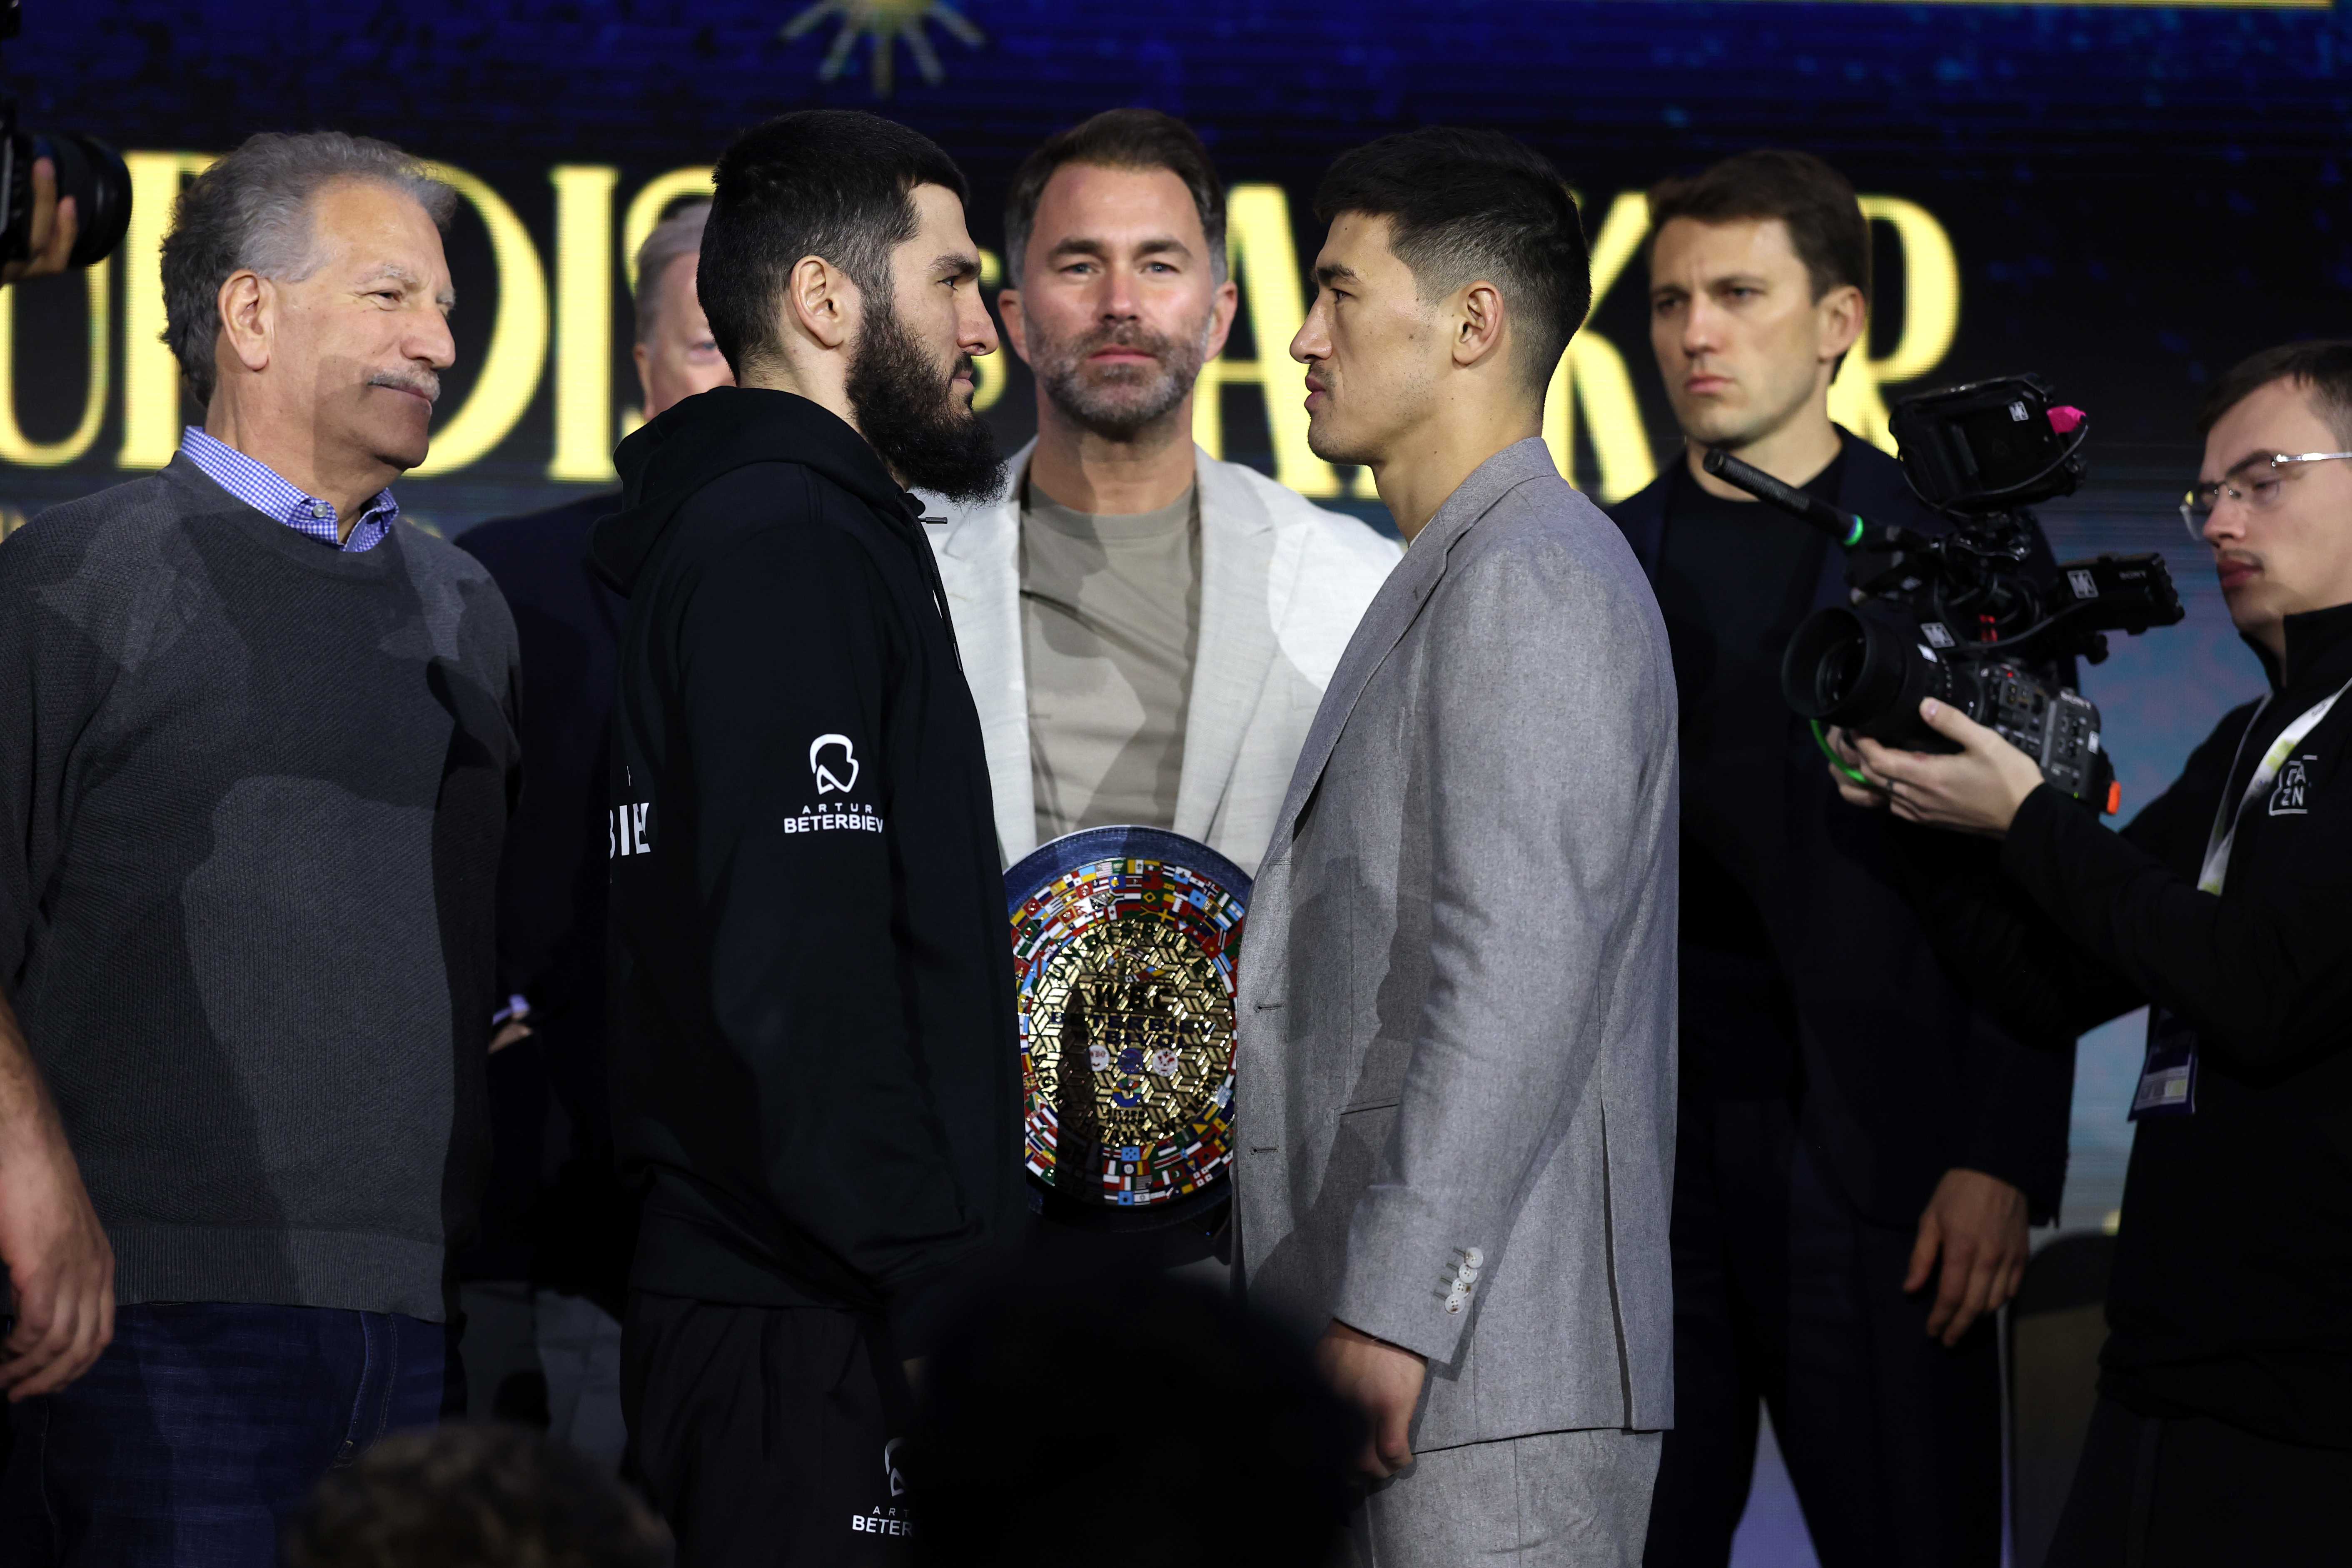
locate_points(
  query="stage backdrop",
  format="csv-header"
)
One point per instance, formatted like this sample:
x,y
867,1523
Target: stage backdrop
x,y
2123,197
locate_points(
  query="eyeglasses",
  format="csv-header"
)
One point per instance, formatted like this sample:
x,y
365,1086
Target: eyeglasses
x,y
2254,484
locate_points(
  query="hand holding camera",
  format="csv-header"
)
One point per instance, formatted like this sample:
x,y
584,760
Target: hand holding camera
x,y
50,229
1977,789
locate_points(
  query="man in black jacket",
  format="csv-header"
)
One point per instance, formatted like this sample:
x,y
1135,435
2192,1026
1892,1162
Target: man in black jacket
x,y
1860,1147
544,1279
2223,1431
816,1086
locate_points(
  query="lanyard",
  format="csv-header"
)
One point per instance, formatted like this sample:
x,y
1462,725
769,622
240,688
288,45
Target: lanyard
x,y
2225,821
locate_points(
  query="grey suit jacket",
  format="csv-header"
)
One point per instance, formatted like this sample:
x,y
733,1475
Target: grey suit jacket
x,y
1456,1097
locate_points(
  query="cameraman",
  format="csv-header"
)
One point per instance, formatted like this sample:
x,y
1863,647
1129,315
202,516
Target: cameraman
x,y
2224,1425
1860,1149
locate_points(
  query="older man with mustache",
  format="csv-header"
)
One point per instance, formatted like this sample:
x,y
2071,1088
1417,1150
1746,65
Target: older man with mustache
x,y
261,753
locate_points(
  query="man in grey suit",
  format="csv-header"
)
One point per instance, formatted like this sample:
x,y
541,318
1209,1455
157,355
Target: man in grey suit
x,y
1457,989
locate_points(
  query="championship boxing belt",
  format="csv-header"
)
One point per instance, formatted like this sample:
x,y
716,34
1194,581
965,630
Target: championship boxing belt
x,y
1123,948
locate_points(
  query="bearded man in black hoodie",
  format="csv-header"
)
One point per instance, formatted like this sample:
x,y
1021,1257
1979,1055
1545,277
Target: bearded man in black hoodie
x,y
816,1086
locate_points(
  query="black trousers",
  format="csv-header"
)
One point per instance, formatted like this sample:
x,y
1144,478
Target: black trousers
x,y
767,1436
1788,1300
2189,1491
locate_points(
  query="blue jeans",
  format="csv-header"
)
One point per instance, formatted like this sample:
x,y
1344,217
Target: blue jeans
x,y
202,1431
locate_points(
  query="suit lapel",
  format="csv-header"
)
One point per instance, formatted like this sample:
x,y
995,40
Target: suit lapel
x,y
1393,611
979,564
1234,645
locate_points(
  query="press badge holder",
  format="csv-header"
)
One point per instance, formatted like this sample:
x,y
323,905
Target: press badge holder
x,y
2167,1081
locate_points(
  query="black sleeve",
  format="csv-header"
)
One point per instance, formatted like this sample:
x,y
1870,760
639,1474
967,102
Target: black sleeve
x,y
2265,978
788,651
2022,961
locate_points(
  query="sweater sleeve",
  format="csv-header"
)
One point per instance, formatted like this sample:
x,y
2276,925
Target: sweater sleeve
x,y
54,620
786,655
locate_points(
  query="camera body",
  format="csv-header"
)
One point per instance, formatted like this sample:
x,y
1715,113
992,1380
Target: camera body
x,y
1965,617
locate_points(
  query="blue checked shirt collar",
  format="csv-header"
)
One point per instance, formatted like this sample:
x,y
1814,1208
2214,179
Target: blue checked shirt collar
x,y
259,486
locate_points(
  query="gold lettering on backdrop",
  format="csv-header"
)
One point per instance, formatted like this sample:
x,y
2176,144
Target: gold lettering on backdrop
x,y
518,351
1264,260
150,375
583,321
645,209
1592,375
1931,319
15,447
1591,393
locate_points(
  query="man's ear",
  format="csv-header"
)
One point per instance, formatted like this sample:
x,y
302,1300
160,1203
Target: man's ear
x,y
1221,317
1479,322
821,301
1016,325
1843,316
248,318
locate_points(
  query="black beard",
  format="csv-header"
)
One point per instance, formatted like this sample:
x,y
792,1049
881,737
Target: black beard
x,y
910,414
1119,404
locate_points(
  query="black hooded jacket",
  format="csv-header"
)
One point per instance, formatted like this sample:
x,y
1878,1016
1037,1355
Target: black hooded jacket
x,y
2231,1295
815,1076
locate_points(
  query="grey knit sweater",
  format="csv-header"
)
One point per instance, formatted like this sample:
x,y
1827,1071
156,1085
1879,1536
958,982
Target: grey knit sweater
x,y
252,794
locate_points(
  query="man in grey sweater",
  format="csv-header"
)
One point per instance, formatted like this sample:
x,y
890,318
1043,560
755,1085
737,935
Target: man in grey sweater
x,y
1457,991
259,756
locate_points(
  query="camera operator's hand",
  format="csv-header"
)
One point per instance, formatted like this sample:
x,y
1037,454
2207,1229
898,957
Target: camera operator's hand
x,y
1977,1223
1977,790
1869,797
55,225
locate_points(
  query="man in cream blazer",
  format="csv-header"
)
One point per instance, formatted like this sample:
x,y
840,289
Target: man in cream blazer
x,y
1147,631
1283,582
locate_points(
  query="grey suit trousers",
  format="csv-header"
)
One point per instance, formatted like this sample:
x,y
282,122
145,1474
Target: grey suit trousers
x,y
1556,1499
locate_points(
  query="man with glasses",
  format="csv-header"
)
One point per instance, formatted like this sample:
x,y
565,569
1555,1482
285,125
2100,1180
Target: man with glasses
x,y
2223,1431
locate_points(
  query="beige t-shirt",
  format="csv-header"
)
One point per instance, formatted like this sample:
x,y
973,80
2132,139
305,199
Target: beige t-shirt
x,y
1109,609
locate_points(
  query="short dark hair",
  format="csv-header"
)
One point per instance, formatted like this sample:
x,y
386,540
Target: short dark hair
x,y
1117,139
474,1496
833,182
2322,367
1816,202
1464,204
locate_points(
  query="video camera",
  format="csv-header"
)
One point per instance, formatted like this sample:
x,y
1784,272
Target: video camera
x,y
88,170
1961,617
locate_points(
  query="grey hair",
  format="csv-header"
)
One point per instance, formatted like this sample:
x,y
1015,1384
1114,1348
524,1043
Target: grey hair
x,y
252,210
680,233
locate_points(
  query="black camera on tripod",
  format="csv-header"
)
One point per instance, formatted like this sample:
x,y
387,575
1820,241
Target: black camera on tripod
x,y
88,170
1961,616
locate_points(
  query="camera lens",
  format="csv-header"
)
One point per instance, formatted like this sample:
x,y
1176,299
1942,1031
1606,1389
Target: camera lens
x,y
1863,671
89,171
1836,670
94,174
